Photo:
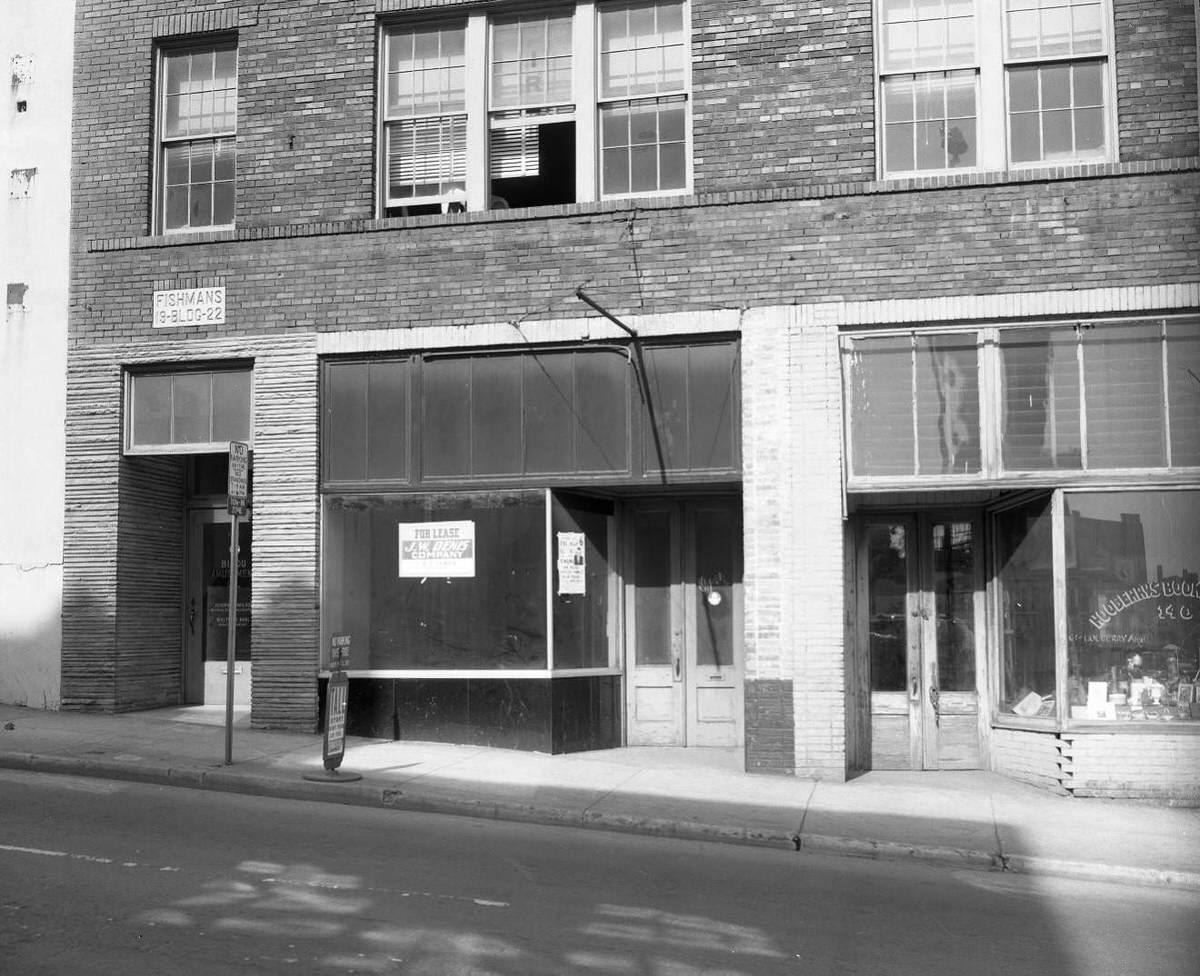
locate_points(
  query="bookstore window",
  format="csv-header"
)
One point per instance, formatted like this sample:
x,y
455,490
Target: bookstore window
x,y
967,85
1133,605
196,174
532,109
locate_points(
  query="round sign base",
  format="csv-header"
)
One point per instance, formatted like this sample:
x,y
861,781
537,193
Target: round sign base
x,y
331,776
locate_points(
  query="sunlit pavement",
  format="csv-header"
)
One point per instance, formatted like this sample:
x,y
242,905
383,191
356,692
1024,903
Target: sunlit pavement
x,y
98,876
972,820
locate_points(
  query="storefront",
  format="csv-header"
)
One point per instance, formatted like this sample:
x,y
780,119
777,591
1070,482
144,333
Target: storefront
x,y
1025,505
536,548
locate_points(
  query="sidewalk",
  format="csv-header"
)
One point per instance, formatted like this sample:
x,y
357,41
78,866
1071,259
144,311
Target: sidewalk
x,y
963,819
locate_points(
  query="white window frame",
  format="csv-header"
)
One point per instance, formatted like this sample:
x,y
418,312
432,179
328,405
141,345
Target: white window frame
x,y
991,65
585,86
161,141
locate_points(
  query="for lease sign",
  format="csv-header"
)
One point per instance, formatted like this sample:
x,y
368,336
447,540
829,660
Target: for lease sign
x,y
189,306
437,549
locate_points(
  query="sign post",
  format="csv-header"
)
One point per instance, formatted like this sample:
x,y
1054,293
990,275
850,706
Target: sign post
x,y
239,468
333,749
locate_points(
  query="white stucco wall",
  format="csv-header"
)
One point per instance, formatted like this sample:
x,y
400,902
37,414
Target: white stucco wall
x,y
35,67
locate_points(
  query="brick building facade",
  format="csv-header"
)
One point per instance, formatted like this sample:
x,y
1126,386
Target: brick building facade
x,y
759,218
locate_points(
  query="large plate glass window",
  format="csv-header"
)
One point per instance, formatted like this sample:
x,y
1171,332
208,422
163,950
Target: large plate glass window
x,y
469,581
1133,605
197,128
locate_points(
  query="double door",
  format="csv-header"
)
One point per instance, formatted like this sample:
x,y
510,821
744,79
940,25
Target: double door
x,y
684,623
206,610
921,611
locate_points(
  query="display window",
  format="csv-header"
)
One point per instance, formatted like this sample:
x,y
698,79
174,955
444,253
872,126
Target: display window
x,y
1133,605
468,582
1098,606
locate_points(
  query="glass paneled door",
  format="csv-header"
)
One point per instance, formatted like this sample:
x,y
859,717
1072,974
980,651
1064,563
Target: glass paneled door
x,y
206,610
684,623
920,610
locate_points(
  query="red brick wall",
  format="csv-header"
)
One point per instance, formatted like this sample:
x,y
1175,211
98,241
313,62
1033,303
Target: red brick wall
x,y
976,239
1156,78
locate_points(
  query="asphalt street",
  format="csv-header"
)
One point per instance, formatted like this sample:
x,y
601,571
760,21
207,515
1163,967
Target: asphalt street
x,y
109,877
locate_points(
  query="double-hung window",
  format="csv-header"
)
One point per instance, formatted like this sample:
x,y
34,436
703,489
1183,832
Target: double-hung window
x,y
197,137
991,84
526,109
1055,71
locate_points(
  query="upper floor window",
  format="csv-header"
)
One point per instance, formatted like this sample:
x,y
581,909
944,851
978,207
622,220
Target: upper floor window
x,y
968,84
526,109
197,137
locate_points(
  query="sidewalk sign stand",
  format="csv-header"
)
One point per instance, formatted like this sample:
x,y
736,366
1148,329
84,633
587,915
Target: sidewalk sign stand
x,y
239,465
334,747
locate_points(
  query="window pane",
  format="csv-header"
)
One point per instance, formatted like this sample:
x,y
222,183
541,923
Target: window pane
x,y
947,404
387,419
1026,597
192,412
1123,393
642,146
602,433
953,553
1133,605
667,412
652,541
1040,374
496,398
879,375
495,618
641,49
711,370
549,407
887,593
344,441
231,406
1054,27
446,417
151,409
944,135
581,619
714,530
1183,379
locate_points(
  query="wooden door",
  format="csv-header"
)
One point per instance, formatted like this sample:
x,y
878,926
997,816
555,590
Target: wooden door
x,y
921,612
684,623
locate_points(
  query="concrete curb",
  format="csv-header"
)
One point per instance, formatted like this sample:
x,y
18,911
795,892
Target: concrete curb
x,y
232,780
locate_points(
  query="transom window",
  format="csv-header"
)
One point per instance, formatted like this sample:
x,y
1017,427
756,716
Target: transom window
x,y
987,404
197,134
187,412
965,84
530,109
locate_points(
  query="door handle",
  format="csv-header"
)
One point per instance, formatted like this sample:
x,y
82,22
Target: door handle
x,y
678,667
915,693
192,616
934,700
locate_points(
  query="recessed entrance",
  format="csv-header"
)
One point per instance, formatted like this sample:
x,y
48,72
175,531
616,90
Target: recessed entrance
x,y
206,610
684,623
920,612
